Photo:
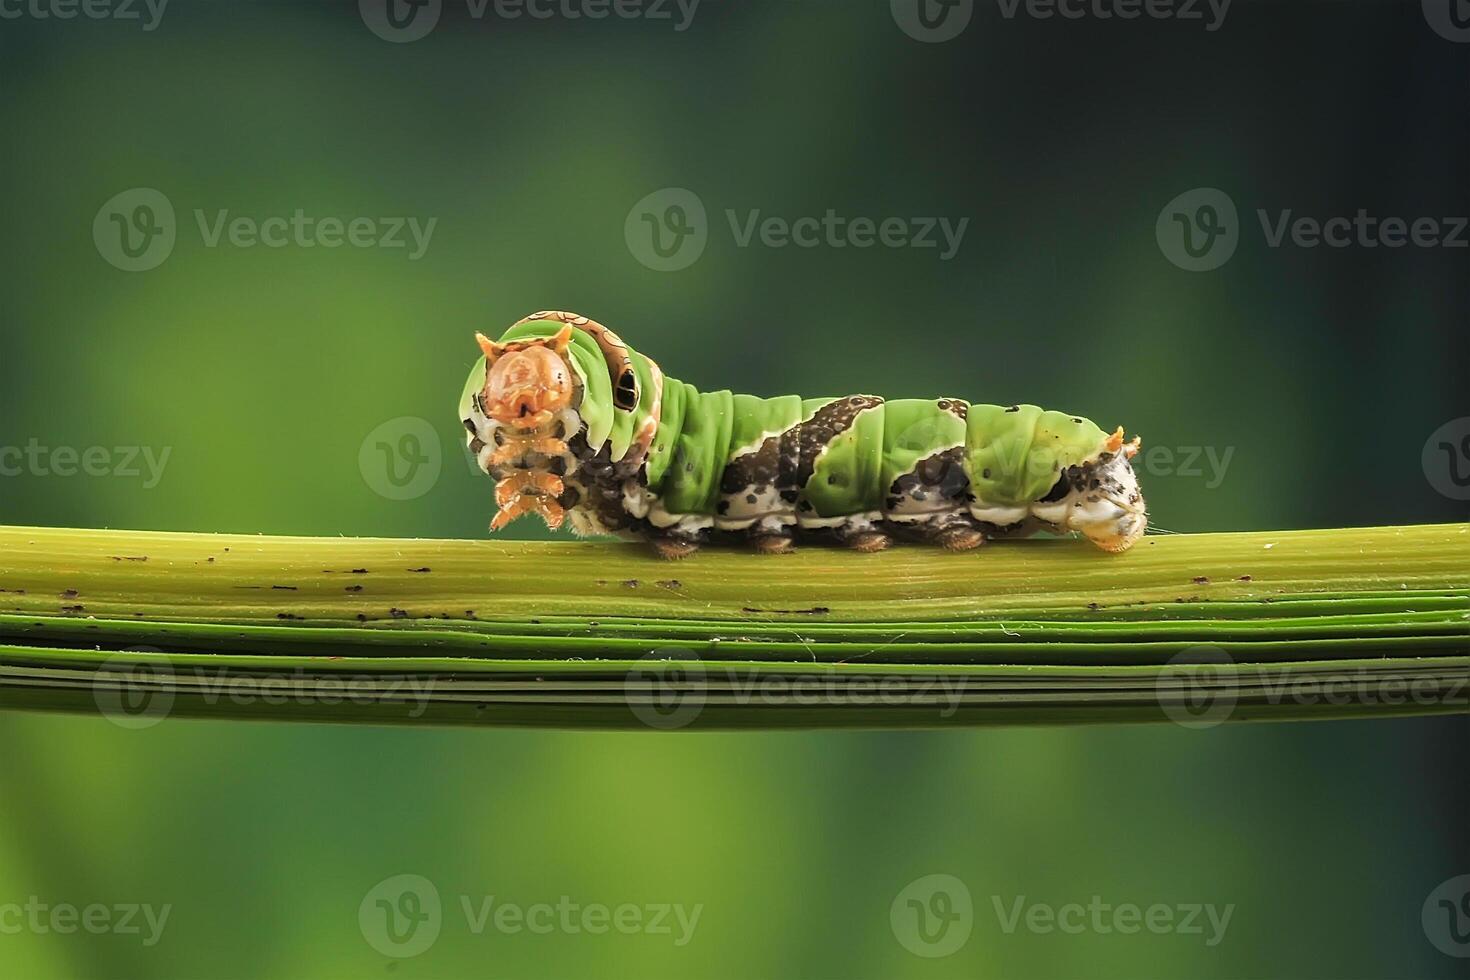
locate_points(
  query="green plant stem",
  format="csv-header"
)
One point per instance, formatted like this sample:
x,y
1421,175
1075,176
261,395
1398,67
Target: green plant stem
x,y
565,633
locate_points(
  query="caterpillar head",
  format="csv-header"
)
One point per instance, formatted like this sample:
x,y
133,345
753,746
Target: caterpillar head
x,y
527,383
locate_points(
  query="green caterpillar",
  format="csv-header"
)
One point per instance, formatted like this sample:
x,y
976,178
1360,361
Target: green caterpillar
x,y
571,422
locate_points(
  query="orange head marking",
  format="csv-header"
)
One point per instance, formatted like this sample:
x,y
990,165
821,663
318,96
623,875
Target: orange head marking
x,y
527,384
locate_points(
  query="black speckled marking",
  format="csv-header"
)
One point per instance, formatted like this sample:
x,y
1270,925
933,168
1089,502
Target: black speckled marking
x,y
941,475
801,444
957,407
597,485
752,470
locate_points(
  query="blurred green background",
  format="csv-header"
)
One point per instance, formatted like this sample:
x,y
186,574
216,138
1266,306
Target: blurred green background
x,y
273,378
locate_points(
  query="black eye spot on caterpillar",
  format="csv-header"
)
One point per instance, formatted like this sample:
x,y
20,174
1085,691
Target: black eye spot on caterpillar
x,y
626,395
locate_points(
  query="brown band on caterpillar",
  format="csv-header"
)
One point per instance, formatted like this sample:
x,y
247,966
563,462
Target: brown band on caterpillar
x,y
614,352
643,438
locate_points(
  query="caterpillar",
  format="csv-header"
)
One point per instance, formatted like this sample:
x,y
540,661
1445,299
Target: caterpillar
x,y
572,423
